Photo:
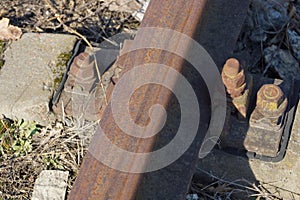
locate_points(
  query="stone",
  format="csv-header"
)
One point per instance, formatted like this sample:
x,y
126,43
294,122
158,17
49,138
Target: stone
x,y
282,62
294,39
192,197
266,16
51,184
281,179
297,6
9,32
275,13
30,66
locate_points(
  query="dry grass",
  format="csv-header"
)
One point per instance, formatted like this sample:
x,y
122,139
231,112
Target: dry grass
x,y
56,147
221,189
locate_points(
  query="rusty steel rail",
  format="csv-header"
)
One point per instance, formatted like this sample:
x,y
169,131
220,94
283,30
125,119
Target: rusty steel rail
x,y
215,24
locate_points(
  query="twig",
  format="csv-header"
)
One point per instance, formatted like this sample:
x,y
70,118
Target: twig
x,y
110,41
63,111
228,182
4,125
270,184
203,193
260,190
51,6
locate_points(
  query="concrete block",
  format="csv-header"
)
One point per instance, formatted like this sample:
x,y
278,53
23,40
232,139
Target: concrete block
x,y
30,65
51,184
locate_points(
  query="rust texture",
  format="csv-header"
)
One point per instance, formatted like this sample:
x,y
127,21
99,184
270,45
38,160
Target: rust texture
x,y
267,120
271,102
238,86
200,20
261,132
82,71
233,77
80,97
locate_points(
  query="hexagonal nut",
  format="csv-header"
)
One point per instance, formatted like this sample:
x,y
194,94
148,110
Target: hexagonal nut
x,y
83,75
270,122
241,104
234,81
236,92
271,100
83,60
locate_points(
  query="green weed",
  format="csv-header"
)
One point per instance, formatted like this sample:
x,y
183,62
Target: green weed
x,y
16,136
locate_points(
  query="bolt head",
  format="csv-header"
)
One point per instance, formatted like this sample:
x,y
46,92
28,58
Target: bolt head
x,y
269,97
233,77
83,68
231,67
83,60
271,100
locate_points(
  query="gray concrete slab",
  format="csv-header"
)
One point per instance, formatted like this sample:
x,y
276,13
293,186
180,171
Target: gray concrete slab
x,y
30,65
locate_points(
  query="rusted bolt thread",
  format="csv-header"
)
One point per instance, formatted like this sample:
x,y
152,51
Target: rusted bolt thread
x,y
233,78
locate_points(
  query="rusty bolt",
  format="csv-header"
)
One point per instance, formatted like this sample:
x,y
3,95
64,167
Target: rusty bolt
x,y
241,104
271,100
83,68
83,59
236,92
231,67
233,78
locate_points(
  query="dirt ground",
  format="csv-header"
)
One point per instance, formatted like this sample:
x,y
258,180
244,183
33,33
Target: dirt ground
x,y
93,19
271,27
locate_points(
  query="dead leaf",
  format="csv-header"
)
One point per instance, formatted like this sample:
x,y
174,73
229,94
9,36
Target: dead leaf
x,y
9,32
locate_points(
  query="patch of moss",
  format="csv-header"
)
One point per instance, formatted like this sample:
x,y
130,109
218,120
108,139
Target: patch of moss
x,y
2,45
2,48
60,67
63,58
58,80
